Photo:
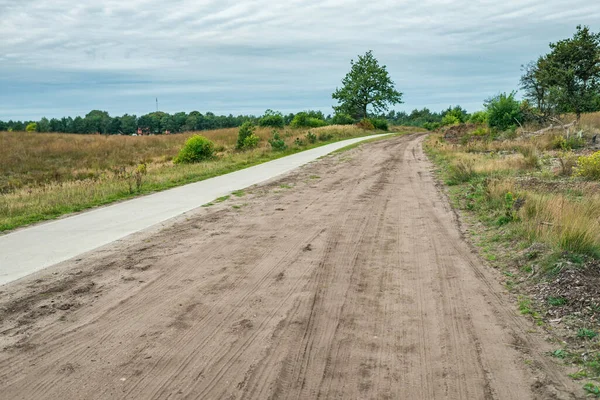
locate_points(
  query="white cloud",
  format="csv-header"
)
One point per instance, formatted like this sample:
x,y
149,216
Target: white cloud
x,y
449,51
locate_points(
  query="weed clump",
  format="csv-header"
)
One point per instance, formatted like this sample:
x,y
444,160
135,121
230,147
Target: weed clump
x,y
197,148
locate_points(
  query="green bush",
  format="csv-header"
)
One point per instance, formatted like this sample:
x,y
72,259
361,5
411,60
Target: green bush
x,y
311,137
276,142
251,141
450,119
380,124
247,129
342,119
197,148
366,124
504,112
308,119
432,126
299,142
273,119
589,166
479,117
32,127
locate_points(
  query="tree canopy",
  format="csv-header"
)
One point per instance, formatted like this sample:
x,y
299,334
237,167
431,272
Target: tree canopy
x,y
568,78
367,84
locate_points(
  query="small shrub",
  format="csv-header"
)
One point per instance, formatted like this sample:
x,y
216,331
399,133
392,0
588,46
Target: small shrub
x,y
380,124
251,141
197,148
247,129
589,166
342,119
32,127
450,119
481,131
277,143
479,117
299,142
311,137
432,126
365,124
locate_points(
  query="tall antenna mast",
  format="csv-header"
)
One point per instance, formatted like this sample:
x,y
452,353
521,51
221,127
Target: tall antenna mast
x,y
157,104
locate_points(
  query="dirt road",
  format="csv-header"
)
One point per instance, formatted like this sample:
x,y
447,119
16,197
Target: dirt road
x,y
347,279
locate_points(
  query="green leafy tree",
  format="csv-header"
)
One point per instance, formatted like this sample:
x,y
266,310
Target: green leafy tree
x,y
572,70
32,127
97,121
272,118
368,84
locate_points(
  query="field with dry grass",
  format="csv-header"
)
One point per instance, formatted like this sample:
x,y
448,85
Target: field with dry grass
x,y
44,176
531,202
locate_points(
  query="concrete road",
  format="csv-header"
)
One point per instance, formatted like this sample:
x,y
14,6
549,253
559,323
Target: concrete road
x,y
31,249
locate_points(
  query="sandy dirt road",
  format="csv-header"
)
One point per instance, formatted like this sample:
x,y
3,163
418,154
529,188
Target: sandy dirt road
x,y
348,278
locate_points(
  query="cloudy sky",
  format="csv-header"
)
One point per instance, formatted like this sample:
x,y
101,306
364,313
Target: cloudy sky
x,y
66,57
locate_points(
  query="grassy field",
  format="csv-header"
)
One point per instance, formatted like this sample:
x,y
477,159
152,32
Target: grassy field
x,y
48,175
533,208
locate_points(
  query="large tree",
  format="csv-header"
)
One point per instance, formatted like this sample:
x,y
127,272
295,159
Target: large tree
x,y
367,84
572,72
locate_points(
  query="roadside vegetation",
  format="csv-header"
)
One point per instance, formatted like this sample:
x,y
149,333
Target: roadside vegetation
x,y
526,175
48,175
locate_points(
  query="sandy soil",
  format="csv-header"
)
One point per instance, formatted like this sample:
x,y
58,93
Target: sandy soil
x,y
349,278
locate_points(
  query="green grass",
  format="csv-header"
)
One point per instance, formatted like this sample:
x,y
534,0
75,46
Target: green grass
x,y
239,193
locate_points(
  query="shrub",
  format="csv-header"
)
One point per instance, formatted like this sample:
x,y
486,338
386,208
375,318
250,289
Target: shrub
x,y
197,148
365,124
479,117
311,137
570,143
589,166
342,119
504,111
276,142
299,142
308,119
432,126
251,141
380,124
273,119
247,129
450,119
32,127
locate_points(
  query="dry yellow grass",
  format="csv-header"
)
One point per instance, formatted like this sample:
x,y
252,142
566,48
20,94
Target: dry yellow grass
x,y
549,213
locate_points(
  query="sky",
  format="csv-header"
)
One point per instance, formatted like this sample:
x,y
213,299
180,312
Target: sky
x,y
67,57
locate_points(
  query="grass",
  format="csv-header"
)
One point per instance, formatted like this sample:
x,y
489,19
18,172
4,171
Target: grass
x,y
45,176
